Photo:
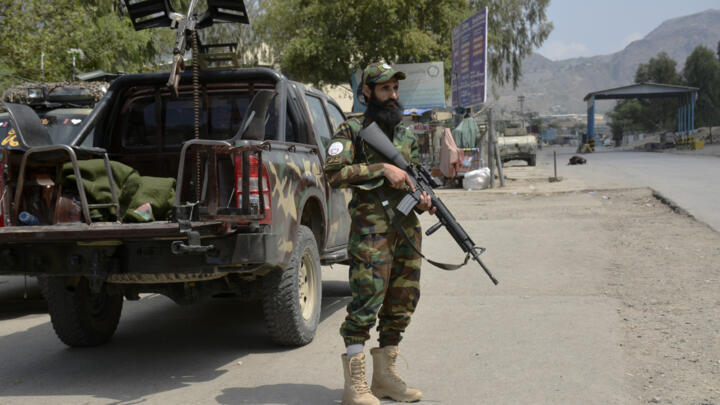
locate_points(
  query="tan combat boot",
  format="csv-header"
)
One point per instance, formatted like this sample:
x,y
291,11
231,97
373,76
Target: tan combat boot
x,y
386,382
356,390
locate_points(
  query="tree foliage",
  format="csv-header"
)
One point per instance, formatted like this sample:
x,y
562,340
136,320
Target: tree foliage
x,y
99,28
702,70
324,42
648,114
626,117
515,28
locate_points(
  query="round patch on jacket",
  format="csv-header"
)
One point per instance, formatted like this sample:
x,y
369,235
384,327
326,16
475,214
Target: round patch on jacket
x,y
335,148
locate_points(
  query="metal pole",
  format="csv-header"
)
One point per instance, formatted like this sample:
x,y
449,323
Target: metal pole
x,y
555,163
691,122
491,150
498,160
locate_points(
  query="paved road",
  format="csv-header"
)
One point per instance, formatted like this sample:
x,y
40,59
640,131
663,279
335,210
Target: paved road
x,y
692,180
548,334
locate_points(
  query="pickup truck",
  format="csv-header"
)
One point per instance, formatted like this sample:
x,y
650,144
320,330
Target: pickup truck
x,y
250,212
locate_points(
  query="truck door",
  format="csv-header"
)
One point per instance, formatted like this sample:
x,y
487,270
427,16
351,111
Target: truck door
x,y
337,199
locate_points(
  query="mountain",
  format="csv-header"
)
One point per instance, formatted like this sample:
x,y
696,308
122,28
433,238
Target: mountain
x,y
558,87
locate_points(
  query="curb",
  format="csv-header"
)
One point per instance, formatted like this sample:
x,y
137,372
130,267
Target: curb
x,y
672,204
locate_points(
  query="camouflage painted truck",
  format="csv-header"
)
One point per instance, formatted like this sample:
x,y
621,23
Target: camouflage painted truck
x,y
238,205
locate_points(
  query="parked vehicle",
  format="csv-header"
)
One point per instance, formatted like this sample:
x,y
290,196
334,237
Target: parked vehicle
x,y
517,144
245,207
61,106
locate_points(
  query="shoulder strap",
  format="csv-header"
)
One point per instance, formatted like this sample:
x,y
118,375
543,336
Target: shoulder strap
x,y
393,219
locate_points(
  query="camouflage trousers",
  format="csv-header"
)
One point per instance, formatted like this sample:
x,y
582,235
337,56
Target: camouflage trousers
x,y
385,284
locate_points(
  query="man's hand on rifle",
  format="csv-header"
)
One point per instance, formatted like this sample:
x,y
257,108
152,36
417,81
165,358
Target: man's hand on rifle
x,y
425,204
397,177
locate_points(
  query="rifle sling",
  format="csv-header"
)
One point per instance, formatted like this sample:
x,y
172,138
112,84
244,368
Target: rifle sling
x,y
393,219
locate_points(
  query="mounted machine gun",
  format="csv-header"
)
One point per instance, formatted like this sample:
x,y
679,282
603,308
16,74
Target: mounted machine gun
x,y
159,13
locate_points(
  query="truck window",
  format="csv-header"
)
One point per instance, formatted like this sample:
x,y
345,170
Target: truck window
x,y
220,120
141,127
336,116
320,122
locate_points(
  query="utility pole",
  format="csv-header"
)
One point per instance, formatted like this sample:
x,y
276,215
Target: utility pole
x,y
521,100
75,52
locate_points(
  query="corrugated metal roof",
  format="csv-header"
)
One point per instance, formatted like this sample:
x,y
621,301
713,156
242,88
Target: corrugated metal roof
x,y
642,90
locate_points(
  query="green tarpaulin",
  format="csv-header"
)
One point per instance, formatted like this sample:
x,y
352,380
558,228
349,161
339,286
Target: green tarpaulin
x,y
134,191
466,134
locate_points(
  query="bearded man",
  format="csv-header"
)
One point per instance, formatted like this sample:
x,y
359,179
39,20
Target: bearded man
x,y
384,264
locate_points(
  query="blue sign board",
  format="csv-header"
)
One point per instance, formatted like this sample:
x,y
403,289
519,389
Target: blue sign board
x,y
469,61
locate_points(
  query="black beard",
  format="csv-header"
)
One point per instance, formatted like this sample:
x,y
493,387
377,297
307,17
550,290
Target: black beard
x,y
388,113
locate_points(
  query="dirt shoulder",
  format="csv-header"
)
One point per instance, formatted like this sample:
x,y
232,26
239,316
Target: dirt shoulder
x,y
660,265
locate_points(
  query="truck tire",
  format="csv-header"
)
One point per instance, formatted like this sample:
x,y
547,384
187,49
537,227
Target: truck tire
x,y
531,161
80,317
292,298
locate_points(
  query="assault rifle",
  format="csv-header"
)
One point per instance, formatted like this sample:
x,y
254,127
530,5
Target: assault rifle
x,y
423,181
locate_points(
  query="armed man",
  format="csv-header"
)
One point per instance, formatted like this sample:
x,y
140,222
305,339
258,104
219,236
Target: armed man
x,y
384,264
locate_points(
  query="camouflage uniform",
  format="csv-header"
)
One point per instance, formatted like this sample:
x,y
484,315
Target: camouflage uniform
x,y
384,269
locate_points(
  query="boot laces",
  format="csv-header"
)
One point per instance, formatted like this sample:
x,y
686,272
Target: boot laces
x,y
357,375
392,366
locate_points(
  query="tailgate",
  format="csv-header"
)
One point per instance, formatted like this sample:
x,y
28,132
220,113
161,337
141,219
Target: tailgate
x,y
99,231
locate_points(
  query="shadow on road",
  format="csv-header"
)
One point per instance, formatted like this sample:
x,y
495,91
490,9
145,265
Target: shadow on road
x,y
288,394
20,297
158,347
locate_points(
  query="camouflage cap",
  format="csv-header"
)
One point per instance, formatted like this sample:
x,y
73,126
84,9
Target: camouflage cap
x,y
379,73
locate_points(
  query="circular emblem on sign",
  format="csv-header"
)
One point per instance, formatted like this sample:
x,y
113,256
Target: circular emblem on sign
x,y
335,148
433,71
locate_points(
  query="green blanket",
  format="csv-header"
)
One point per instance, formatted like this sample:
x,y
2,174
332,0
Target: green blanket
x,y
142,198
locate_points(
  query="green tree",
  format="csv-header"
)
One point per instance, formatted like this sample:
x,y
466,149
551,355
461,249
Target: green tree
x,y
324,42
515,28
660,69
51,28
649,114
702,70
626,117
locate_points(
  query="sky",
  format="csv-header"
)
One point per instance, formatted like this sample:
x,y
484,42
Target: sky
x,y
591,27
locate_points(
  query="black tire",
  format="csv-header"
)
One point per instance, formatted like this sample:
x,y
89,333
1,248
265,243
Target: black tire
x,y
531,161
80,317
292,298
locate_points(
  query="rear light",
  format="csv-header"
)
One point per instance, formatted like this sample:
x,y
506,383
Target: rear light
x,y
254,180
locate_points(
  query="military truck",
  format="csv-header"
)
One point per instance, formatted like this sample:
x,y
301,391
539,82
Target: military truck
x,y
517,144
61,106
239,206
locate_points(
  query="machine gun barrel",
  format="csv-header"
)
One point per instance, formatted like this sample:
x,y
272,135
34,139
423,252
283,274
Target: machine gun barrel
x,y
185,25
424,182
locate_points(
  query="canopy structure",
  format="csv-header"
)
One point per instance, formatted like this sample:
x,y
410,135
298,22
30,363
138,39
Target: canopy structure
x,y
686,112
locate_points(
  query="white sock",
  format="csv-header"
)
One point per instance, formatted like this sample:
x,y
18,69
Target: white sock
x,y
354,349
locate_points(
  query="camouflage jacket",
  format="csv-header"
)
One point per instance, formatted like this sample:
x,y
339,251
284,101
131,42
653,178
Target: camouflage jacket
x,y
353,163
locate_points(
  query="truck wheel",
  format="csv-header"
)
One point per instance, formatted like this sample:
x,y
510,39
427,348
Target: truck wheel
x,y
531,161
292,298
79,316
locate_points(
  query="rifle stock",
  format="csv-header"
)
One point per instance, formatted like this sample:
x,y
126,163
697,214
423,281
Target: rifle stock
x,y
424,182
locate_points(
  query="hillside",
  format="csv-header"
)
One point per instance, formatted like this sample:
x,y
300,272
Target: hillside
x,y
558,87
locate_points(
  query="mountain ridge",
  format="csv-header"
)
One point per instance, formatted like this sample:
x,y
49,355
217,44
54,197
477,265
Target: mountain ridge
x,y
558,87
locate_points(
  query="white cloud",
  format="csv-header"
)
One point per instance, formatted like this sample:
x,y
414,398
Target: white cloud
x,y
631,37
557,50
